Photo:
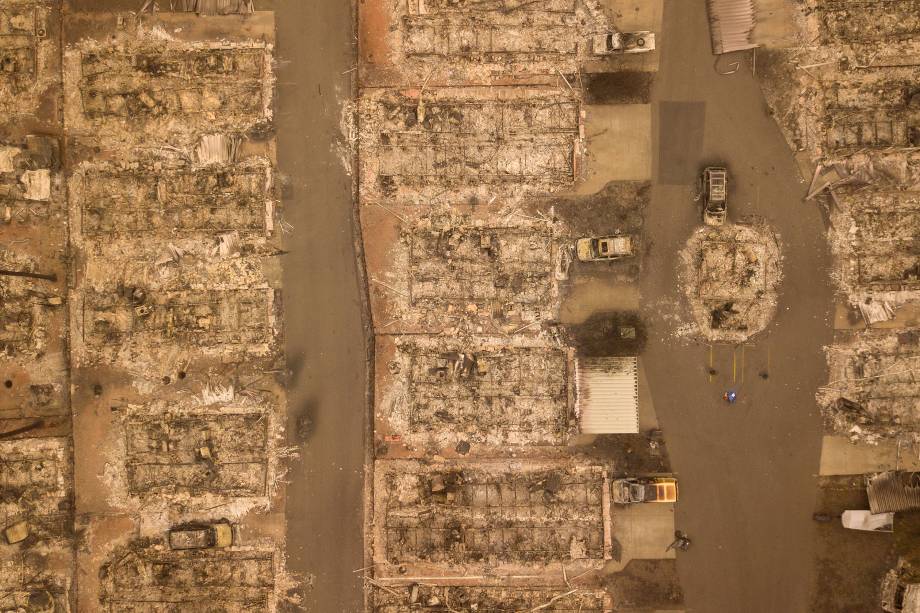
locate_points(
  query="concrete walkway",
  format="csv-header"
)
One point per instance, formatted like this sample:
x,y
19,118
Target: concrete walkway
x,y
746,470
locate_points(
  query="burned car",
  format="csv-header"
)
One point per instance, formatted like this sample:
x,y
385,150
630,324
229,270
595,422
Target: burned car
x,y
611,43
201,536
604,248
653,489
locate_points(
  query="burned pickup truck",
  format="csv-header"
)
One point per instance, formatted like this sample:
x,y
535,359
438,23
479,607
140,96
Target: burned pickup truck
x,y
714,188
201,536
605,248
611,43
651,489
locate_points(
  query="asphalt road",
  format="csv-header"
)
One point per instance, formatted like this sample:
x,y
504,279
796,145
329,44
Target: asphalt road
x,y
746,470
322,303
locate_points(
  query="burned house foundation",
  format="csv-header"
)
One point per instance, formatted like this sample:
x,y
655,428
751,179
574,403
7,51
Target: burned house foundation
x,y
447,519
730,275
476,395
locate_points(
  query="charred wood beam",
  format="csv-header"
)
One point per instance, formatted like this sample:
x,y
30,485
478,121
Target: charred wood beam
x,y
30,275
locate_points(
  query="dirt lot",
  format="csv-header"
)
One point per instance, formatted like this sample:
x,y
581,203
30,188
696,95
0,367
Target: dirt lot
x,y
850,564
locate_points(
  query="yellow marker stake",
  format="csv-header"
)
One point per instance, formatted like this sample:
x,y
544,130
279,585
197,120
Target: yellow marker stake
x,y
734,363
742,364
710,363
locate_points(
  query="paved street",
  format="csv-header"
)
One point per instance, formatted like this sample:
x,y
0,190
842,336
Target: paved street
x,y
747,491
322,297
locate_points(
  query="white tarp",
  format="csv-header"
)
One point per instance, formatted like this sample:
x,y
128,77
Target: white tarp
x,y
866,520
607,395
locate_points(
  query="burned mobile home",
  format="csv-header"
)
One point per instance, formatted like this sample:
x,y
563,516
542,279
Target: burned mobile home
x,y
481,39
484,599
197,454
29,54
147,575
463,266
504,517
487,393
457,144
873,394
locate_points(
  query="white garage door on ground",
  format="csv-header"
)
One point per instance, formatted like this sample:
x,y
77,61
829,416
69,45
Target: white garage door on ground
x,y
607,395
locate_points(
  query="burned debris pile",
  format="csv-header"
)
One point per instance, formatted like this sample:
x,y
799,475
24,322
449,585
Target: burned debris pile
x,y
851,104
488,514
730,274
424,597
467,144
140,284
480,390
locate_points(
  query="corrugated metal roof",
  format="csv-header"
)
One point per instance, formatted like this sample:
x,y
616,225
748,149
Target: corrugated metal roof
x,y
730,25
607,391
894,491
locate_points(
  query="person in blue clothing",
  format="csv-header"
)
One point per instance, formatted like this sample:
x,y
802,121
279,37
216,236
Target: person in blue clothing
x,y
730,397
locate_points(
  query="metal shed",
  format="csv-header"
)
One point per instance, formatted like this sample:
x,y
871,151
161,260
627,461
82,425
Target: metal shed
x,y
607,395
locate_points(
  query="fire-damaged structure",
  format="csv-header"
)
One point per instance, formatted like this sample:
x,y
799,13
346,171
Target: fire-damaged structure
x,y
469,122
873,393
730,274
444,516
484,392
450,144
138,282
855,112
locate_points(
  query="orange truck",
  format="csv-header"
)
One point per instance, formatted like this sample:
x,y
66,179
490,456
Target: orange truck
x,y
651,489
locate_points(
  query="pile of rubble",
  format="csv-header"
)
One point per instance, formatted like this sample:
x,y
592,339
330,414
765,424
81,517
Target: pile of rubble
x,y
506,516
855,112
467,144
450,395
475,41
469,124
730,274
145,292
434,599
